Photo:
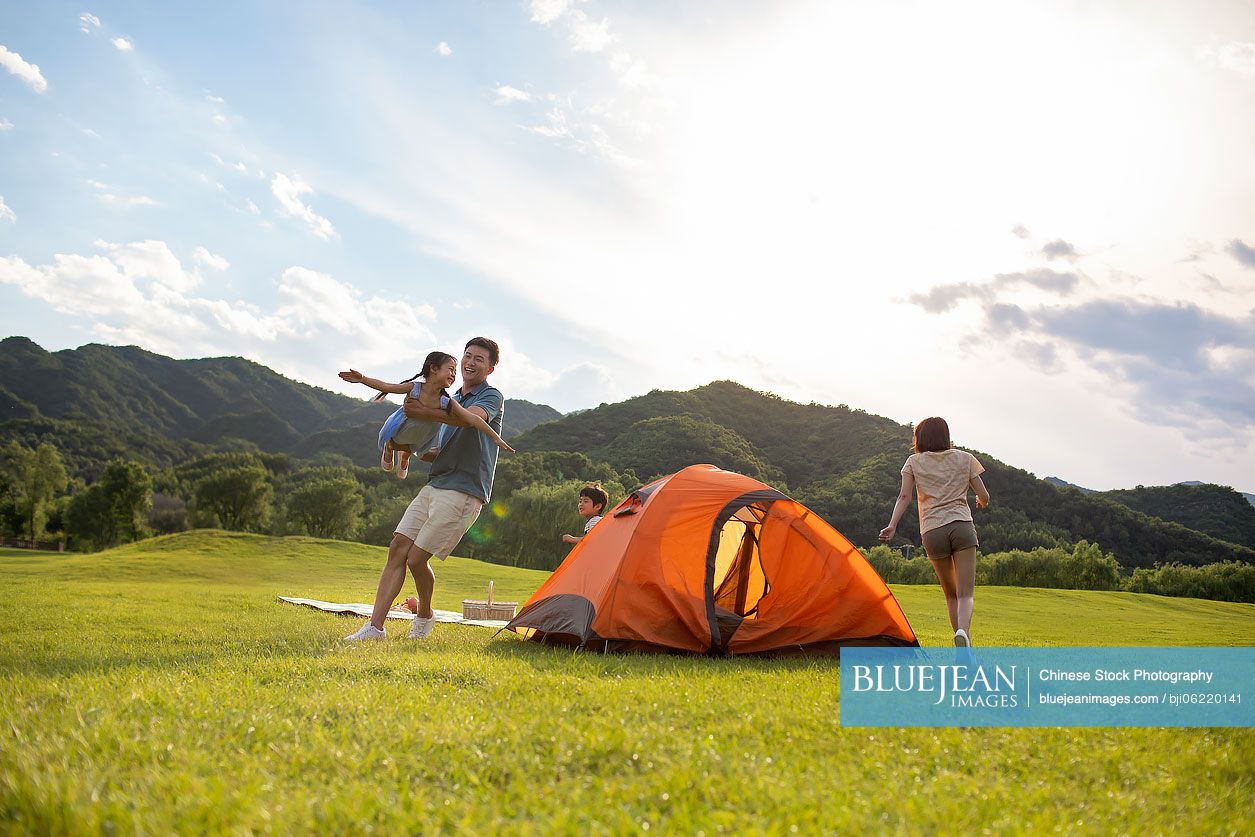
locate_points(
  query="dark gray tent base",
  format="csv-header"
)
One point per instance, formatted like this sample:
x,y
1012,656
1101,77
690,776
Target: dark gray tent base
x,y
566,619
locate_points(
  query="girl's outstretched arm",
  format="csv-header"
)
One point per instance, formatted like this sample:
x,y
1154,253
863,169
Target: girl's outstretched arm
x,y
465,418
355,377
904,500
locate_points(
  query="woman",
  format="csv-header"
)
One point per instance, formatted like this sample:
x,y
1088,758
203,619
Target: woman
x,y
940,476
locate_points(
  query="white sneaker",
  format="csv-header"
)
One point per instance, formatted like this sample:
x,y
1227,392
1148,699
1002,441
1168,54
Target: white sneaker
x,y
961,639
386,458
421,628
366,632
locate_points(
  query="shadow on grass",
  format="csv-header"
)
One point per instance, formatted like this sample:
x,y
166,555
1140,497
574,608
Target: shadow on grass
x,y
550,658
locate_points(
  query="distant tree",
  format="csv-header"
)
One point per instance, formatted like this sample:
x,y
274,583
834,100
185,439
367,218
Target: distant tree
x,y
239,497
130,490
88,522
114,510
329,507
33,478
168,514
381,520
54,526
524,529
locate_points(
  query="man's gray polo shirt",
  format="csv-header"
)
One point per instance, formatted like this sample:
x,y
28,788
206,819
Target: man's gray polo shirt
x,y
468,459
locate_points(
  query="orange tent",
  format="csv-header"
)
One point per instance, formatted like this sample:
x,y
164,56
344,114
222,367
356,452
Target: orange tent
x,y
714,562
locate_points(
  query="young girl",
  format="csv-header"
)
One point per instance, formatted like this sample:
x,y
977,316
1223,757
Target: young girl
x,y
940,476
405,435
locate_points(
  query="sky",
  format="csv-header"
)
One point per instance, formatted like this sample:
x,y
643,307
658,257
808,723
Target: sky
x,y
1036,219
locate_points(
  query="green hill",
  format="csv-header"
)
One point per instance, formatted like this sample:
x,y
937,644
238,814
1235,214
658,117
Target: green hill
x,y
1216,510
845,463
98,402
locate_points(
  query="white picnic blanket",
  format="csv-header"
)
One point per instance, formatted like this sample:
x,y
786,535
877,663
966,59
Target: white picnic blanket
x,y
365,610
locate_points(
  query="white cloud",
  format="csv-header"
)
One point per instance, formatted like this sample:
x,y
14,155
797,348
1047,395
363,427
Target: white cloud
x,y
91,133
287,191
5,125
219,119
506,93
108,195
123,44
89,285
253,209
209,260
547,11
87,22
444,49
1237,56
557,127
7,214
583,34
586,36
127,201
239,166
317,326
570,130
27,72
632,72
151,260
217,100
217,159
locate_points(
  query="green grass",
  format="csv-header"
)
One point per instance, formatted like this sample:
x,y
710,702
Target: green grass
x,y
162,687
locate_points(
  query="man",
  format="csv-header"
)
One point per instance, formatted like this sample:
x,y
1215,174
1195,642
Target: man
x,y
459,486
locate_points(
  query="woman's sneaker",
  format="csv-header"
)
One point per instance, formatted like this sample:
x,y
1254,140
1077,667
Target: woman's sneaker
x,y
421,628
961,639
364,633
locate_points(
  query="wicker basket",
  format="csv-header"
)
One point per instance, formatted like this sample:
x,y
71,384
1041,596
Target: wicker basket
x,y
488,609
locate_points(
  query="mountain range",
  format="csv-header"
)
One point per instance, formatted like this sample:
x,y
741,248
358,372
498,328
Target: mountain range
x,y
99,402
96,403
844,463
1246,495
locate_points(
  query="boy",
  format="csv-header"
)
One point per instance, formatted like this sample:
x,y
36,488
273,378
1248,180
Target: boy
x,y
593,500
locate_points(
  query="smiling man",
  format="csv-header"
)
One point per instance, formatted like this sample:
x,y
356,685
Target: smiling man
x,y
459,486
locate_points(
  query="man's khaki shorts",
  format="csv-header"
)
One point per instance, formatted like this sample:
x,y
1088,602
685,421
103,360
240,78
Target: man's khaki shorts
x,y
946,540
438,518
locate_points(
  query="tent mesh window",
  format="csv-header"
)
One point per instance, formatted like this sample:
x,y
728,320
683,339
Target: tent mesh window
x,y
740,582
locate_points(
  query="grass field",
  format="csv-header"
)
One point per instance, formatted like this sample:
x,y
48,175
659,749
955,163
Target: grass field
x,y
162,687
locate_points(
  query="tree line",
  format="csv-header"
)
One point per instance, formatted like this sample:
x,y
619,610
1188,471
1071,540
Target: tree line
x,y
242,491
1084,566
534,503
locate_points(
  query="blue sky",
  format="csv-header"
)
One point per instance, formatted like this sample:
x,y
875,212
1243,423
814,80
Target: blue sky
x,y
1034,218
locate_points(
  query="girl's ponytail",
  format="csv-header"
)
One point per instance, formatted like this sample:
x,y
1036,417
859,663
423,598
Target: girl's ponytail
x,y
434,360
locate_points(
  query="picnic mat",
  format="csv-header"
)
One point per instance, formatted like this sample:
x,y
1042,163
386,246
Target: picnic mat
x,y
364,610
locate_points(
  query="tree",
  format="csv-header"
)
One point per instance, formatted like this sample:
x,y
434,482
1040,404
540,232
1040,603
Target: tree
x,y
328,508
524,529
129,489
169,514
88,523
112,511
239,497
33,478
